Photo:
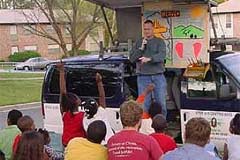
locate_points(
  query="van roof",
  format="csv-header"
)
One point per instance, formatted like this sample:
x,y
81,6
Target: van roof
x,y
95,57
115,4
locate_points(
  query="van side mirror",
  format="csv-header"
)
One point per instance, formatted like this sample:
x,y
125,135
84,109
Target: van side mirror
x,y
224,91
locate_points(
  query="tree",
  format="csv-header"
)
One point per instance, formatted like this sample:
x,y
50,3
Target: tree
x,y
78,17
16,4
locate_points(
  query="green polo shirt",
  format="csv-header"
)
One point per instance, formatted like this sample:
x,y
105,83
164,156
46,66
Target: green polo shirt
x,y
7,136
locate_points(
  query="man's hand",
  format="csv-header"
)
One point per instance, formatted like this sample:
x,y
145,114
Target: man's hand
x,y
145,59
98,77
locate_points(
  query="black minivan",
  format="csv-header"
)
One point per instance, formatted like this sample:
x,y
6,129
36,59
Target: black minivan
x,y
216,97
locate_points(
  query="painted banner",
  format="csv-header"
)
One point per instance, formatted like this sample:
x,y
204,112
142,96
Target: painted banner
x,y
219,121
185,29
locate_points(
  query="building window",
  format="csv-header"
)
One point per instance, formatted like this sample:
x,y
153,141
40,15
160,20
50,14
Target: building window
x,y
14,49
30,48
53,48
228,21
49,29
13,30
27,30
69,47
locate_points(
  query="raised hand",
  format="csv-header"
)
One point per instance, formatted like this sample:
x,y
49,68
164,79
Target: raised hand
x,y
98,77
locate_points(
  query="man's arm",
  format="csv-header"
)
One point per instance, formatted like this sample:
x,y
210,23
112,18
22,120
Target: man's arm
x,y
136,53
160,57
62,85
101,91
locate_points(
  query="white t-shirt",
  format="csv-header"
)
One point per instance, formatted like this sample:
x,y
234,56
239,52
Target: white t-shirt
x,y
146,126
100,115
233,145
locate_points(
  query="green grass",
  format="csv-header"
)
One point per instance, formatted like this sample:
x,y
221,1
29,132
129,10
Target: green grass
x,y
21,91
21,75
6,67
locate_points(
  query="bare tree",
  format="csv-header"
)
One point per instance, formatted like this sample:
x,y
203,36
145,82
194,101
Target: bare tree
x,y
78,17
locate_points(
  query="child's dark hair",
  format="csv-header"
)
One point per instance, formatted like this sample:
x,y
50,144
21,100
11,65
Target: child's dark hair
x,y
2,155
90,107
235,124
96,131
155,108
159,123
45,135
70,102
13,116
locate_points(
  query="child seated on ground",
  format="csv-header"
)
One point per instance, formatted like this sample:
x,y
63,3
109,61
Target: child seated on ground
x,y
232,146
2,155
95,111
159,124
53,155
69,104
89,148
25,124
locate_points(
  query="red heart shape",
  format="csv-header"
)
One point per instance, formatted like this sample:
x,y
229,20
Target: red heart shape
x,y
179,49
197,49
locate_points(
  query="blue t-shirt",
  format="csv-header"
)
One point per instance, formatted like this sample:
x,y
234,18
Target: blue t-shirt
x,y
189,152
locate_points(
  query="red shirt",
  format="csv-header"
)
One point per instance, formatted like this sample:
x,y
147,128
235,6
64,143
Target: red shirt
x,y
132,145
166,142
16,142
72,126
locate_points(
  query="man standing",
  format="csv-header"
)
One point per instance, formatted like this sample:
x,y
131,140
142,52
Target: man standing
x,y
8,134
149,54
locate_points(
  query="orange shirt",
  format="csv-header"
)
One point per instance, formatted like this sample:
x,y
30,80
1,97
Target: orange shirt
x,y
141,99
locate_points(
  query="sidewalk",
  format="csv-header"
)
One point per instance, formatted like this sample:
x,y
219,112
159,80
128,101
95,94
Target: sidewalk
x,y
20,106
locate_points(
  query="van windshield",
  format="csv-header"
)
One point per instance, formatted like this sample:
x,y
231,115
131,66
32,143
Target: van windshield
x,y
81,79
232,65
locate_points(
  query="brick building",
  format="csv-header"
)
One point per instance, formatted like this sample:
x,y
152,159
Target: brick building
x,y
16,37
227,19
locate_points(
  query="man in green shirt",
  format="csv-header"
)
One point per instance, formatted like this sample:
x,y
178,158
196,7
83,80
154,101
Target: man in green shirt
x,y
8,134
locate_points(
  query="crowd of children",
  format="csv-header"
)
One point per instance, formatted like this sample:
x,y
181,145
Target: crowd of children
x,y
88,135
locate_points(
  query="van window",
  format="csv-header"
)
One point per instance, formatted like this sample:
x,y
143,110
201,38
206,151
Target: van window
x,y
81,81
202,88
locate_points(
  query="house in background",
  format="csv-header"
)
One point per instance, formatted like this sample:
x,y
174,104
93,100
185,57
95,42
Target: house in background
x,y
15,35
227,20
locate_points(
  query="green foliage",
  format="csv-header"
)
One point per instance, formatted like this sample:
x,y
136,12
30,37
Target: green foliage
x,y
1,60
220,1
23,56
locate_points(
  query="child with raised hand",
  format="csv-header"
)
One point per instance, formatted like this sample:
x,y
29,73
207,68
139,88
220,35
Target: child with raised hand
x,y
69,103
96,111
232,147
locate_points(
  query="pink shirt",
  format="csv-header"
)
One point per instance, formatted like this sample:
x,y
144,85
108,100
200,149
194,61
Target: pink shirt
x,y
132,145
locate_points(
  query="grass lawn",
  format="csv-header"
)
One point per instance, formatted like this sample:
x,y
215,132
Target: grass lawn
x,y
20,75
20,91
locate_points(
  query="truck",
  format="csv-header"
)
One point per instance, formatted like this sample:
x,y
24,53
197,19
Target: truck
x,y
201,82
